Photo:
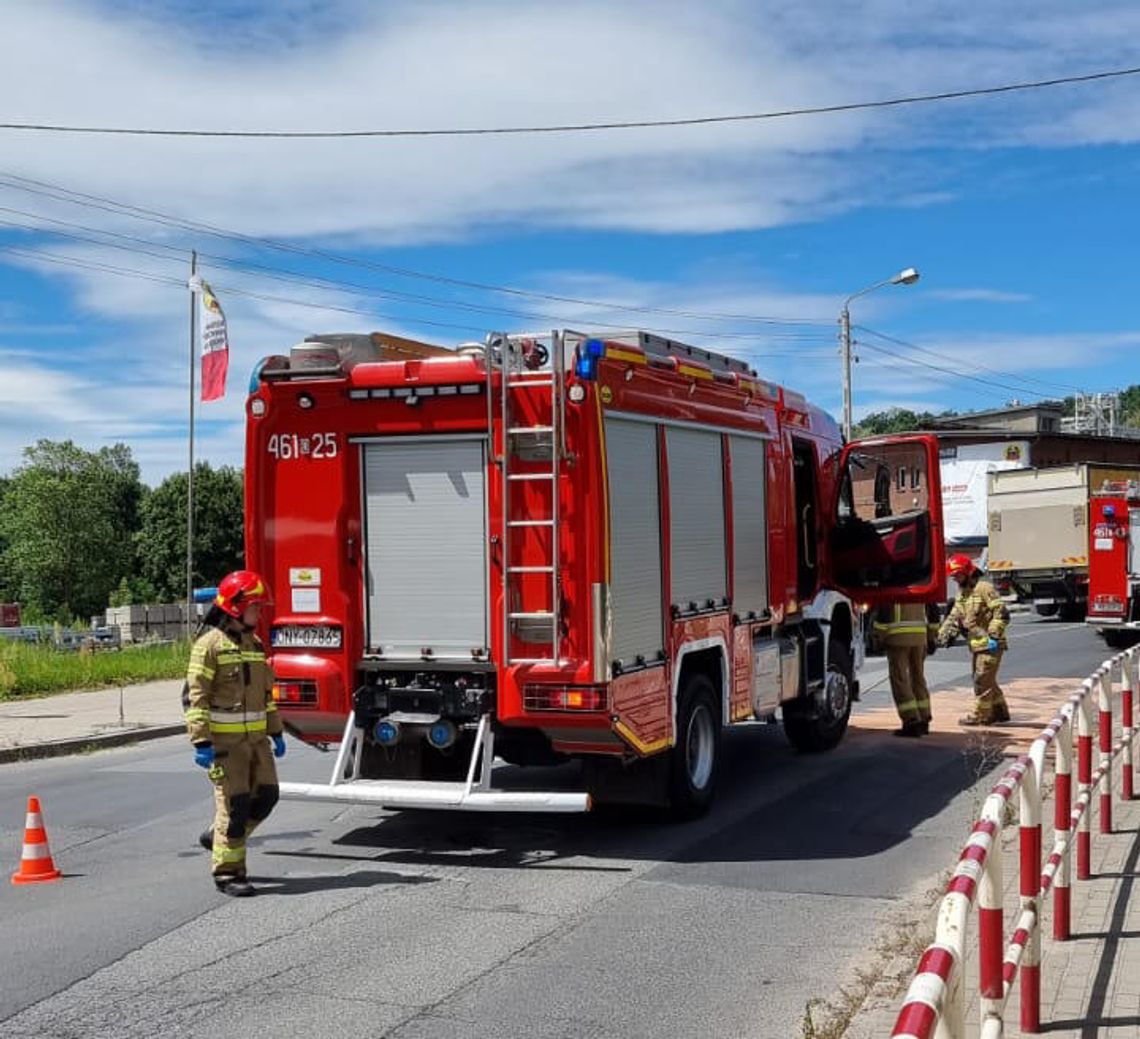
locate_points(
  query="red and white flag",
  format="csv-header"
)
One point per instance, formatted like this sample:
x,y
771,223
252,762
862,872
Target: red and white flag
x,y
215,341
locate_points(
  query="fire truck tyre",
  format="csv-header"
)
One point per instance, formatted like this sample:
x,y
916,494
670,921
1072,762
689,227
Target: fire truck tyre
x,y
818,722
696,756
1121,639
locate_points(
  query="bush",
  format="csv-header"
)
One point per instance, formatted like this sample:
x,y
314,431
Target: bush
x,y
30,670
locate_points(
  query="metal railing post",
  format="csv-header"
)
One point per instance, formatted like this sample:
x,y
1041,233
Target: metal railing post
x,y
1104,734
1126,723
1030,890
991,934
1084,780
1062,826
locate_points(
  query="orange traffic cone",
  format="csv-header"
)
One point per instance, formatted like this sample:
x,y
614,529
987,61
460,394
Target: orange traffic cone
x,y
36,863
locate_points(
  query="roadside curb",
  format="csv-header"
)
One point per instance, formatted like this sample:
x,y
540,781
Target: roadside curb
x,y
80,744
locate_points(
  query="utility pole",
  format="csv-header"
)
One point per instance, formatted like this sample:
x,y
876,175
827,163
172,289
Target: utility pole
x,y
845,340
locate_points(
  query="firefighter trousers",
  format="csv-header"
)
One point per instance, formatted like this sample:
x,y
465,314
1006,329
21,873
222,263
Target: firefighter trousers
x,y
905,666
989,700
245,791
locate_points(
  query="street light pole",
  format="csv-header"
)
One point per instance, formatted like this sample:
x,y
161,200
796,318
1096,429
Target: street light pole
x,y
845,338
904,277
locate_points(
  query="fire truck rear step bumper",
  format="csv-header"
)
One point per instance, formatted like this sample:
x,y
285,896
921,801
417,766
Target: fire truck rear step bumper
x,y
455,796
474,795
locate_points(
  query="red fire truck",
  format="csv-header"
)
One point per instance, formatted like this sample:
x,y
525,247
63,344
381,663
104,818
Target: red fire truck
x,y
1114,566
565,546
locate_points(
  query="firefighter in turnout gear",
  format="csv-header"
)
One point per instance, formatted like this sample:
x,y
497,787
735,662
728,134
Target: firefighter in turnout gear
x,y
231,718
981,616
905,632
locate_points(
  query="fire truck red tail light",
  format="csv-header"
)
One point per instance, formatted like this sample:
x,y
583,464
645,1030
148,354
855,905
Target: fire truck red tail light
x,y
295,693
564,698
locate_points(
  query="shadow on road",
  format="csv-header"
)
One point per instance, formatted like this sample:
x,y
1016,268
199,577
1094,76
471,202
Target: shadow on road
x,y
773,805
362,879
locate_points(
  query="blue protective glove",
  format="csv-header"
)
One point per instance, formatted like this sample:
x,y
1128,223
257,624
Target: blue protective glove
x,y
992,645
204,756
279,746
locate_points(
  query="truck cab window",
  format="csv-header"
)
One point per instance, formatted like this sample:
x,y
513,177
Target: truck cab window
x,y
807,534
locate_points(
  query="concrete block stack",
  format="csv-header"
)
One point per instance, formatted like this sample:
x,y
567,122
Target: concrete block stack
x,y
130,621
163,621
174,623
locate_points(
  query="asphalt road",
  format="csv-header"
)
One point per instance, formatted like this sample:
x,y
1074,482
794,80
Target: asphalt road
x,y
441,926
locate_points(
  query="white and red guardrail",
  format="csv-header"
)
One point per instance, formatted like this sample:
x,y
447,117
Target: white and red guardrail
x,y
934,1007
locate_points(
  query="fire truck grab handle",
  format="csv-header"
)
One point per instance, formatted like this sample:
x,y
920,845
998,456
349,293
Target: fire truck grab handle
x,y
806,529
350,545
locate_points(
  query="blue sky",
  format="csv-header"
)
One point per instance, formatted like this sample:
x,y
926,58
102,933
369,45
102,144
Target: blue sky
x,y
1020,211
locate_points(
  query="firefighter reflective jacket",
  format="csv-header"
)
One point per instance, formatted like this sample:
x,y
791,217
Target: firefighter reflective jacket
x,y
906,624
229,690
980,615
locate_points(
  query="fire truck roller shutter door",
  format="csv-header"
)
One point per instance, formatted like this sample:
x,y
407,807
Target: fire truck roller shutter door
x,y
696,517
635,541
749,526
426,538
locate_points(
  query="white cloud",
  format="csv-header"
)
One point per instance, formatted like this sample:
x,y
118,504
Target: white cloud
x,y
495,63
352,64
979,295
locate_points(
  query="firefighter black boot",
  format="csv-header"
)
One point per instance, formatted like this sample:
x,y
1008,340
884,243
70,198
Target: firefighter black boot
x,y
236,887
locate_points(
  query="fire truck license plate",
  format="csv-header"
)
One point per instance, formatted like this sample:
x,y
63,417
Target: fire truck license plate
x,y
305,635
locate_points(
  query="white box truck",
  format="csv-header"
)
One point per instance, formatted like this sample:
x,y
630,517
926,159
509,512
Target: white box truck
x,y
1039,532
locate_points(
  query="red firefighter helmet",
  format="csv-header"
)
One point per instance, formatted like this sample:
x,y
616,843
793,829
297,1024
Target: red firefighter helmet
x,y
960,566
240,589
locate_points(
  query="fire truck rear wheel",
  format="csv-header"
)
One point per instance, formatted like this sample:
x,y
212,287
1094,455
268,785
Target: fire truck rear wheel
x,y
818,723
695,758
1119,639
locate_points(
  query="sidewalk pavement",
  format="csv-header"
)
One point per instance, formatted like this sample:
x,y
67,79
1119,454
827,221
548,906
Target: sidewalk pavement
x,y
68,723
1090,984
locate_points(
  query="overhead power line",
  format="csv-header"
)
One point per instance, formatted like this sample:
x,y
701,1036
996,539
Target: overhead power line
x,y
974,365
231,289
631,124
109,205
172,254
950,372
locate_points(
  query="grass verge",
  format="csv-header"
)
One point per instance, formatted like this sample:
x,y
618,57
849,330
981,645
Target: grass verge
x,y
36,670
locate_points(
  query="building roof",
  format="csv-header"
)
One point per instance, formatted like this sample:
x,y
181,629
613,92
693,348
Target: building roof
x,y
983,419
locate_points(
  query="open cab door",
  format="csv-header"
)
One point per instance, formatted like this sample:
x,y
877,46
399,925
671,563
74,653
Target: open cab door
x,y
885,541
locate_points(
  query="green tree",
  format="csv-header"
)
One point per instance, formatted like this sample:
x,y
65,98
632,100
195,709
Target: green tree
x,y
8,589
218,542
1130,407
69,518
893,420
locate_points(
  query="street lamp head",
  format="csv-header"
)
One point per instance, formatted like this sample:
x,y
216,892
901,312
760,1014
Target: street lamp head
x,y
907,277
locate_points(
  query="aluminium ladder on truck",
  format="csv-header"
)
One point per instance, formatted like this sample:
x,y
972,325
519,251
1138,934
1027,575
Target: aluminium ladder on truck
x,y
524,362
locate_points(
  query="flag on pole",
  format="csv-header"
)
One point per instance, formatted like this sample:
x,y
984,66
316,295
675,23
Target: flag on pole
x,y
215,342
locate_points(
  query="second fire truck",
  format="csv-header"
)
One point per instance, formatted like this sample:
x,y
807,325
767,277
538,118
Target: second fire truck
x,y
606,548
1114,562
